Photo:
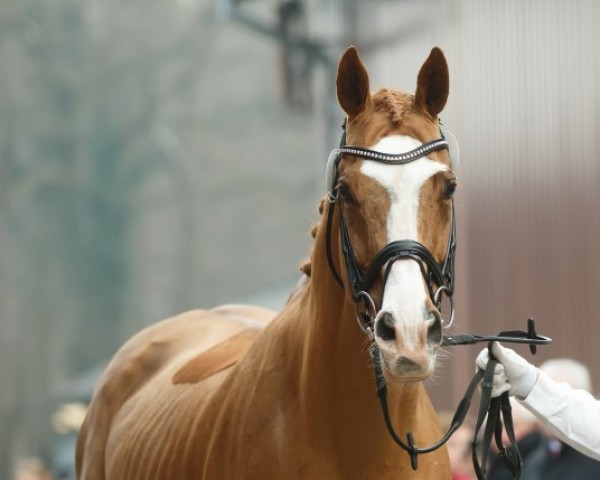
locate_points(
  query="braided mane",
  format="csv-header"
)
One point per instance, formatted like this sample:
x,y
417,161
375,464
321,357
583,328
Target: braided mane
x,y
306,265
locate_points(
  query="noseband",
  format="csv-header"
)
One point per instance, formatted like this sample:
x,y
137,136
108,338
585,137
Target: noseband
x,y
439,278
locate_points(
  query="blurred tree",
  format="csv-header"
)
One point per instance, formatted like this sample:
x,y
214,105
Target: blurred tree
x,y
86,87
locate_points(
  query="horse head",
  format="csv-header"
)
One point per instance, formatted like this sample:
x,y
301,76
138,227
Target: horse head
x,y
394,184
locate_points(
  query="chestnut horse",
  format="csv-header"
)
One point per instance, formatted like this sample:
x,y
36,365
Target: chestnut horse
x,y
238,392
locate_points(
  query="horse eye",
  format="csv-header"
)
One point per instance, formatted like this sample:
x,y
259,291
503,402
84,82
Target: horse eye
x,y
450,188
345,193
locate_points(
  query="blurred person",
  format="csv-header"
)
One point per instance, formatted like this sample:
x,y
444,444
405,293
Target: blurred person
x,y
558,459
459,447
31,468
558,394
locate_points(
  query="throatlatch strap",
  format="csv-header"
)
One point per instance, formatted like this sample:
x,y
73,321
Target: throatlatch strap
x,y
336,275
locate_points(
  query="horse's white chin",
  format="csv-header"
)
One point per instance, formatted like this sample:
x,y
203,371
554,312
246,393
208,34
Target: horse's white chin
x,y
402,370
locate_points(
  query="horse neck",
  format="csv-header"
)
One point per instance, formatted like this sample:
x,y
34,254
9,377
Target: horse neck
x,y
337,381
333,344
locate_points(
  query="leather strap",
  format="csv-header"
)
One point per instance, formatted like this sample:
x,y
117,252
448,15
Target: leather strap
x,y
495,410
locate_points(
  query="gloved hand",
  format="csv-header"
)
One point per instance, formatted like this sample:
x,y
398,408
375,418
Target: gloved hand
x,y
513,374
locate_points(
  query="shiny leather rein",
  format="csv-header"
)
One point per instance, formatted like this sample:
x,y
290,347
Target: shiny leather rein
x,y
497,411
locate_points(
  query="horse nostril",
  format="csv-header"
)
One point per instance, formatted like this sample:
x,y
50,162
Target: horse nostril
x,y
434,331
384,328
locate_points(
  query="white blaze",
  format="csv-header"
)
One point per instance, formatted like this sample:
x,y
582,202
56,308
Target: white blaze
x,y
404,294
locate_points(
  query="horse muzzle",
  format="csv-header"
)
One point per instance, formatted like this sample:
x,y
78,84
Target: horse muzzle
x,y
408,350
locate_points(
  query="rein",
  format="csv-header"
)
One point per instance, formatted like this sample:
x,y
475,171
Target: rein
x,y
497,411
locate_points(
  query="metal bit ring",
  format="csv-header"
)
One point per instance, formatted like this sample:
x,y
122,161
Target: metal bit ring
x,y
365,317
437,301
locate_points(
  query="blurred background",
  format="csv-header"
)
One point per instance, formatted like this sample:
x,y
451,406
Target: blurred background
x,y
165,155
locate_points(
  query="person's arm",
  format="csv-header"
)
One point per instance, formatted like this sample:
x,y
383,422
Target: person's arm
x,y
572,415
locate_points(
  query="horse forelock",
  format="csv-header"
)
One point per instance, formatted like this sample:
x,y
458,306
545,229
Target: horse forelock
x,y
394,103
390,112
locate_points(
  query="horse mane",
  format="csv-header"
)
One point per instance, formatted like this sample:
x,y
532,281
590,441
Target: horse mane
x,y
306,265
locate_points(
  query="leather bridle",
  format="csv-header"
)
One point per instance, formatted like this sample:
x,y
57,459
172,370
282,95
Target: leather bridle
x,y
439,278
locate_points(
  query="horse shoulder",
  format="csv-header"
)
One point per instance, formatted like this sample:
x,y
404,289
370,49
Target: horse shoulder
x,y
158,349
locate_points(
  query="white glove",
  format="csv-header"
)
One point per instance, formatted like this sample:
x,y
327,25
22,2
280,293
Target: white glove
x,y
513,374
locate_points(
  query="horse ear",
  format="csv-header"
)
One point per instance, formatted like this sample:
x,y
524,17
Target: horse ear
x,y
352,83
433,84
